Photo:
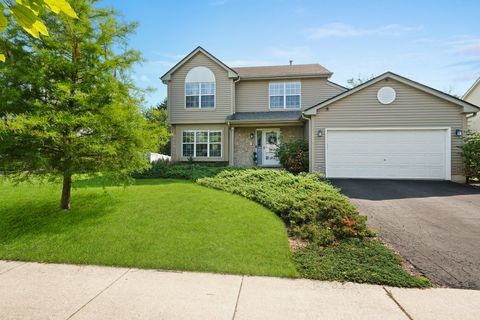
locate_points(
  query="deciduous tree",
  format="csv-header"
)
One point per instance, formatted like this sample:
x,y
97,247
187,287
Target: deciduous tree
x,y
26,14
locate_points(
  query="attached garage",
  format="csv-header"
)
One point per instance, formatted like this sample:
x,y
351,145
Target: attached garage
x,y
389,128
388,153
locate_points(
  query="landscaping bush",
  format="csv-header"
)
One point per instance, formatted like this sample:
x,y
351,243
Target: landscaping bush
x,y
294,156
471,155
188,171
312,208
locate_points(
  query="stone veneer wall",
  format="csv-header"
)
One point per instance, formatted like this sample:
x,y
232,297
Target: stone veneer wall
x,y
244,146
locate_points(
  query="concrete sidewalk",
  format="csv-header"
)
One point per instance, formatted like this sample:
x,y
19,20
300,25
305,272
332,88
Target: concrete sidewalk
x,y
54,291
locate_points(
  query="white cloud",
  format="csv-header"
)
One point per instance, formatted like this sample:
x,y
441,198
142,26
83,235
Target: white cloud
x,y
342,30
144,78
472,49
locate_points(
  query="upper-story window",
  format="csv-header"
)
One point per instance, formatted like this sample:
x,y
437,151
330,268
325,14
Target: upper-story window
x,y
284,95
200,89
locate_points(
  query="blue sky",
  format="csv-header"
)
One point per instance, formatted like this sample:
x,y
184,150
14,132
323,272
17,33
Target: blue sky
x,y
433,42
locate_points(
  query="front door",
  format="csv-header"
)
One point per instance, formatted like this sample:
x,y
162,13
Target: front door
x,y
270,139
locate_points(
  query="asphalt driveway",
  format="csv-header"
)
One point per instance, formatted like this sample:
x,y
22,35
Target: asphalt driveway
x,y
435,225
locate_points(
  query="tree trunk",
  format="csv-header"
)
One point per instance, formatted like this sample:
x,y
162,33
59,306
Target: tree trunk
x,y
66,191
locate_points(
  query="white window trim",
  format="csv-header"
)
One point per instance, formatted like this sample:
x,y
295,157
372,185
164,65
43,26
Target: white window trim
x,y
208,143
200,96
284,95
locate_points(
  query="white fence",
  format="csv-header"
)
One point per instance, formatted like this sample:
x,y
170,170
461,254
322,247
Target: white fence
x,y
157,156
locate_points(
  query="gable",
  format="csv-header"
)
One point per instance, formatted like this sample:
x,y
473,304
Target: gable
x,y
192,55
409,102
473,94
176,92
389,76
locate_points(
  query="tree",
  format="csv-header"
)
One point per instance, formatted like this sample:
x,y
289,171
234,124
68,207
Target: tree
x,y
68,103
26,14
355,82
158,119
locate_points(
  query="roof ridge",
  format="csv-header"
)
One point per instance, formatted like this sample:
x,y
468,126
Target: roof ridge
x,y
281,65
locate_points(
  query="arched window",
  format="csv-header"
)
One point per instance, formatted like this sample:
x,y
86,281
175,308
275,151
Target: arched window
x,y
200,89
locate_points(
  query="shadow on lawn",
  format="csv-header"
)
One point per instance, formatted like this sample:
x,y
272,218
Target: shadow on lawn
x,y
30,217
103,182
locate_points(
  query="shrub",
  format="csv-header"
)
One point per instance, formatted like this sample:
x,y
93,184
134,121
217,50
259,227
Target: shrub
x,y
312,208
471,154
294,156
188,171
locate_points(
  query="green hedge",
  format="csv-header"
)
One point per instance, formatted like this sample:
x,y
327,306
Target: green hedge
x,y
178,170
313,208
471,154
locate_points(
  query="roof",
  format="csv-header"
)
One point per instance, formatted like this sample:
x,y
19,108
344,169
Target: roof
x,y
475,84
231,72
283,71
265,116
467,107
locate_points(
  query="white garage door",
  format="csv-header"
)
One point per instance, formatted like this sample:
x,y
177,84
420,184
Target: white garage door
x,y
387,154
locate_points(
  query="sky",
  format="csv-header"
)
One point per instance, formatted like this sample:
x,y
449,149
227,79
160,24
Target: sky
x,y
436,43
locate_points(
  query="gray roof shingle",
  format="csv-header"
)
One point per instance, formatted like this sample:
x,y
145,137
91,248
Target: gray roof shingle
x,y
295,70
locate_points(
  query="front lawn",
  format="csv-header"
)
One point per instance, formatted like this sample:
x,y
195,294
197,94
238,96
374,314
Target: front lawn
x,y
164,224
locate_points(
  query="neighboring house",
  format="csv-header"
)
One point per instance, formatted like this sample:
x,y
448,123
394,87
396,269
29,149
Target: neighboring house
x,y
388,127
473,96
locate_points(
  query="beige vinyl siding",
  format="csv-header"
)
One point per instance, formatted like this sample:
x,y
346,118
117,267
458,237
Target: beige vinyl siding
x,y
176,94
178,136
252,95
474,98
412,108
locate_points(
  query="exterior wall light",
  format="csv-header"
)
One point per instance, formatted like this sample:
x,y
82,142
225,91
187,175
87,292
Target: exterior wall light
x,y
459,132
252,135
320,133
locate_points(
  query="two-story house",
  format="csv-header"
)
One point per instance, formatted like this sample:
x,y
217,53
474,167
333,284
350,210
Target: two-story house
x,y
388,127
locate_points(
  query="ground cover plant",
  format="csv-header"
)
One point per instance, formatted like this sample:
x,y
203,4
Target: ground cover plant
x,y
356,260
339,245
313,209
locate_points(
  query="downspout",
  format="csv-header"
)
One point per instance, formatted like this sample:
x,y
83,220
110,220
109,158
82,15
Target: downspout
x,y
310,142
232,129
235,92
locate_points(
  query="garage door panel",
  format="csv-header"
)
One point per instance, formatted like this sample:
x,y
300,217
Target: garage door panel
x,y
403,154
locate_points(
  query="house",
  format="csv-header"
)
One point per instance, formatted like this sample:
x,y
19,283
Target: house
x,y
473,96
388,127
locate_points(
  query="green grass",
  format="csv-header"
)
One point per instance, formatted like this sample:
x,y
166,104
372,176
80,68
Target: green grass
x,y
164,224
364,261
176,225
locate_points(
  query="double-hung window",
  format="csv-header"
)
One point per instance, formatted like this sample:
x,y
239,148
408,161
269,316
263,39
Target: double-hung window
x,y
200,95
202,143
284,95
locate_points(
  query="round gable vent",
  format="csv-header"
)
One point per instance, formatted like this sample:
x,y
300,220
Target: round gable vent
x,y
386,95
